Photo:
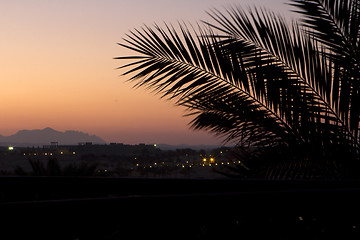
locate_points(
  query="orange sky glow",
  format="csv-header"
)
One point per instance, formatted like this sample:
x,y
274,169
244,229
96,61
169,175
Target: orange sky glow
x,y
58,71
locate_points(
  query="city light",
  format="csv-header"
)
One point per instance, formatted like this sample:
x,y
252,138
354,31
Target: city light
x,y
165,164
205,162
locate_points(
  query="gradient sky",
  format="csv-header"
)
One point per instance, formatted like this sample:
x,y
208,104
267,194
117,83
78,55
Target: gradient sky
x,y
57,68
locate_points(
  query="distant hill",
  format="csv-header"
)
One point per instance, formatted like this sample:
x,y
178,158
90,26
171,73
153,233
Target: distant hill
x,y
39,137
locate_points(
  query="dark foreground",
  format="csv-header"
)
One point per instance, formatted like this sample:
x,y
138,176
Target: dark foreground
x,y
115,208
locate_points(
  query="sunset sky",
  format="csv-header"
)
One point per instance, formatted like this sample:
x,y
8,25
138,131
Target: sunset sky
x,y
57,68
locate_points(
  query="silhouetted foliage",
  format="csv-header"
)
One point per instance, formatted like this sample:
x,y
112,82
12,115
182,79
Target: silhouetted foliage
x,y
256,80
53,168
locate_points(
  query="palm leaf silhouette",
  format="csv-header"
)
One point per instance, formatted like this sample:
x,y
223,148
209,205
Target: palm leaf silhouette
x,y
336,25
256,80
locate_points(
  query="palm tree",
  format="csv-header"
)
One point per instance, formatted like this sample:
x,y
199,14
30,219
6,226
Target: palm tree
x,y
254,79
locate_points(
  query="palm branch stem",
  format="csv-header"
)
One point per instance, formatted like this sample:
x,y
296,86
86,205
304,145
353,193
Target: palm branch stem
x,y
243,92
161,57
276,57
248,95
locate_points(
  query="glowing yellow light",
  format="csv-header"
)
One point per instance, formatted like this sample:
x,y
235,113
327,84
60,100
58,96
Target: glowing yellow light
x,y
45,154
212,160
204,159
155,145
137,164
61,153
11,148
73,153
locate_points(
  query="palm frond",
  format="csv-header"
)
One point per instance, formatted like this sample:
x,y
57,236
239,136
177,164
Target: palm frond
x,y
336,25
302,58
200,74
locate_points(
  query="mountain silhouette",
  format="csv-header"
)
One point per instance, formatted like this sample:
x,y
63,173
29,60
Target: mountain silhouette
x,y
39,137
